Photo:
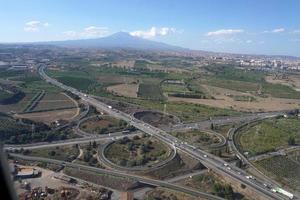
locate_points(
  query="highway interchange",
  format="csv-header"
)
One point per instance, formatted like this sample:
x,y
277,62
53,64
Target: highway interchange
x,y
210,161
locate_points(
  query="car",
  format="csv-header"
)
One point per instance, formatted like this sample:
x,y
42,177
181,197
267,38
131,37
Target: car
x,y
228,168
205,156
225,164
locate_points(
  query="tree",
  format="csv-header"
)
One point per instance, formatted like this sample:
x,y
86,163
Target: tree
x,y
94,144
291,140
52,153
212,127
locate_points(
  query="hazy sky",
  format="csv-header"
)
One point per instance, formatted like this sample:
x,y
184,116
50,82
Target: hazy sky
x,y
240,26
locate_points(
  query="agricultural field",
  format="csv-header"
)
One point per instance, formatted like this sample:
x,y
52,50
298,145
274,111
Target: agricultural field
x,y
291,80
225,98
55,101
283,169
126,90
102,125
48,117
138,151
186,112
150,91
65,153
198,138
269,135
4,95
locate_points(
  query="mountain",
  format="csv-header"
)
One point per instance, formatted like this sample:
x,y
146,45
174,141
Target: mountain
x,y
117,40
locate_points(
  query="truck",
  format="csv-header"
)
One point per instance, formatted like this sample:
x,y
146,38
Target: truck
x,y
282,191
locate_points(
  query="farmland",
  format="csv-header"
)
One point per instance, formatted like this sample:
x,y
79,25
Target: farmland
x,y
53,101
150,91
137,151
269,135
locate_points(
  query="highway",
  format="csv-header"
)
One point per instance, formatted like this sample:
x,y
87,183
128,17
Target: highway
x,y
209,160
206,124
140,179
116,135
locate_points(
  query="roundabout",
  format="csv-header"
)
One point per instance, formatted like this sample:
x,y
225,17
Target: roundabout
x,y
138,153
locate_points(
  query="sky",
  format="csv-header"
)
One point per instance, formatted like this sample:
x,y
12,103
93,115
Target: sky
x,y
236,26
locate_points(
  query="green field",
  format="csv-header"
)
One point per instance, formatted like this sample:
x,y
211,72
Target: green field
x,y
65,153
4,95
137,151
284,169
187,112
150,91
103,125
53,101
269,135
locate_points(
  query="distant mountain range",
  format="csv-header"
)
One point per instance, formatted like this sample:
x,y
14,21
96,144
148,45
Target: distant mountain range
x,y
123,40
117,40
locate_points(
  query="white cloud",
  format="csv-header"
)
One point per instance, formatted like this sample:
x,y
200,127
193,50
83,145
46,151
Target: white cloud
x,y
88,32
153,32
35,26
224,32
277,30
296,31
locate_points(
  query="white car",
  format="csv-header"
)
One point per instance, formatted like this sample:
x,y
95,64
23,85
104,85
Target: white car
x,y
205,156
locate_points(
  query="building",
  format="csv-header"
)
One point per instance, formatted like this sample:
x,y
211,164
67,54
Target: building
x,y
24,172
127,195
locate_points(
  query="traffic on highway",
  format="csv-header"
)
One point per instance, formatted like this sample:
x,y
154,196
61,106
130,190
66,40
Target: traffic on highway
x,y
210,161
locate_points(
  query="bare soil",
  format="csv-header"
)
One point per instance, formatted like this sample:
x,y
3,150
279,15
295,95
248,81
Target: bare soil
x,y
51,116
223,100
127,90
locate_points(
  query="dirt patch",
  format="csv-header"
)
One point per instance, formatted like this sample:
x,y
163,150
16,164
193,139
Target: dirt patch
x,y
127,90
223,100
51,116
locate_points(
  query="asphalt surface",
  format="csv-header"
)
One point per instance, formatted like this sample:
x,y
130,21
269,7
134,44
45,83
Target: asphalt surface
x,y
209,160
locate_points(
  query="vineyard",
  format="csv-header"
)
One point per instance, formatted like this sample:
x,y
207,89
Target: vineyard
x,y
34,101
54,101
285,170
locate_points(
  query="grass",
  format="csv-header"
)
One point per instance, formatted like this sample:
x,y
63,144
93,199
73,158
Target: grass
x,y
103,125
280,91
65,153
137,151
150,91
268,135
174,88
187,112
4,95
52,101
210,182
285,170
240,86
197,138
